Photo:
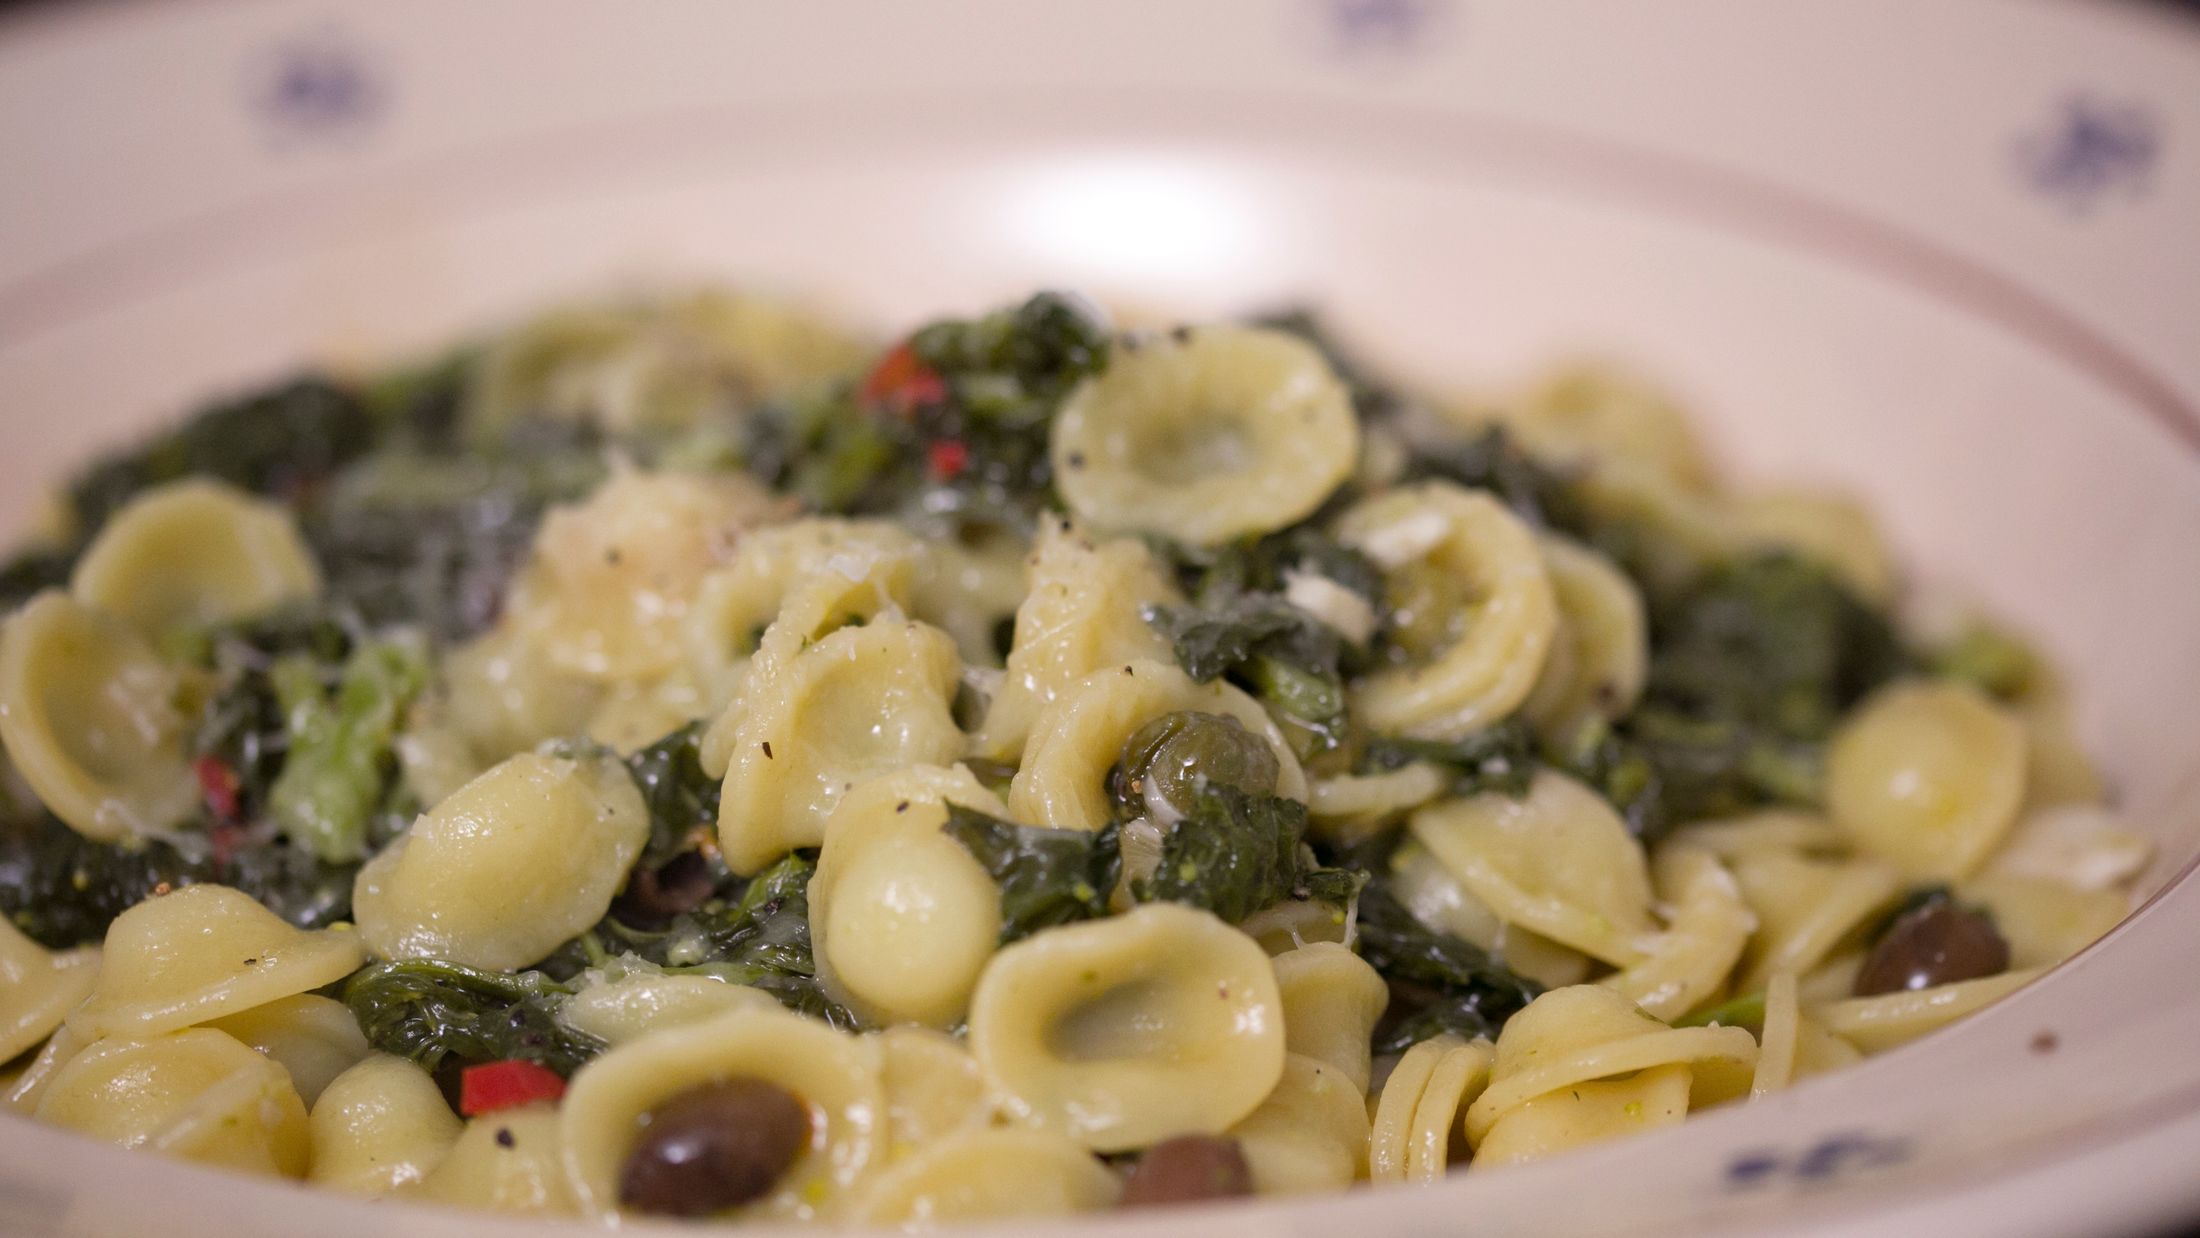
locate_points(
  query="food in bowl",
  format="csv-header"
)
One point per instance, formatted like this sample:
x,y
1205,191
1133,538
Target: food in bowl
x,y
675,758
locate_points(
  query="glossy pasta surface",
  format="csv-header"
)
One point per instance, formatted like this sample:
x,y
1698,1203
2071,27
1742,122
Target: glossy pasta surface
x,y
683,758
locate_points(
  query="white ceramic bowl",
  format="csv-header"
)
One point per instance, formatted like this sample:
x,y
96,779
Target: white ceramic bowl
x,y
1946,254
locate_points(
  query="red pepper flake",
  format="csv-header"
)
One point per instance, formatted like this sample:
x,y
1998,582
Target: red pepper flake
x,y
494,1086
900,384
224,838
217,786
947,459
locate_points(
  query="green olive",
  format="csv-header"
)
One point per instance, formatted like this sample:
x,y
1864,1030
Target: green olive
x,y
1167,762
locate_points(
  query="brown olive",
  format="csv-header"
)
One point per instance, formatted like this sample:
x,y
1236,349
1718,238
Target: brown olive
x,y
714,1147
1186,1169
1939,943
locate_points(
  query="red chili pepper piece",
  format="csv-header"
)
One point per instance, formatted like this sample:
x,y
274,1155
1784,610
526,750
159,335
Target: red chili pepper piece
x,y
492,1086
900,383
217,786
947,459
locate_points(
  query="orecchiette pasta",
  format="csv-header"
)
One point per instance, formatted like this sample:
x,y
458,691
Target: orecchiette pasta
x,y
1807,908
1437,898
902,917
1792,1045
1590,1112
90,719
1474,608
1708,929
1590,413
933,1088
611,579
1558,862
988,1174
1927,776
1878,1023
1417,1115
1601,653
1123,1031
1310,1134
1219,434
861,701
313,1038
1331,1000
1349,808
446,888
2083,846
1084,611
638,1000
509,1161
24,1089
381,1125
836,1075
196,1094
2044,920
38,988
200,953
194,552
1587,1032
1063,779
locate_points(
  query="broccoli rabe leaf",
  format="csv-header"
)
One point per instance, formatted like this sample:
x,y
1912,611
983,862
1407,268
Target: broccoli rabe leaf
x,y
1439,983
342,756
1235,853
1240,624
1047,876
1500,758
428,1011
281,442
682,799
63,889
1772,641
1492,460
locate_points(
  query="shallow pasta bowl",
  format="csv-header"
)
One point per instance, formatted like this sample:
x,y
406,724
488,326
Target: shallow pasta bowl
x,y
1943,258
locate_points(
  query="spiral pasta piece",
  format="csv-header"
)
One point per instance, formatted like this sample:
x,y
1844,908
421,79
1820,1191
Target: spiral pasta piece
x,y
1121,1032
1205,436
1475,610
1927,776
195,552
90,720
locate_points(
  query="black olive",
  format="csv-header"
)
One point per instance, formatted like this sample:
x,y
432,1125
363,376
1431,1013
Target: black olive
x,y
1186,1169
1938,943
1171,757
714,1147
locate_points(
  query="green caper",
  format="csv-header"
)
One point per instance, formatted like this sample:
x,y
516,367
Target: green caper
x,y
1166,762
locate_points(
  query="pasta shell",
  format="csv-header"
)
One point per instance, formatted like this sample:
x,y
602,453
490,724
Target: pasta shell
x,y
38,988
195,1094
1927,776
381,1125
195,552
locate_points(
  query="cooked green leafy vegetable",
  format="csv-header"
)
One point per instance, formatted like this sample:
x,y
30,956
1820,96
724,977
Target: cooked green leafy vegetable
x,y
429,1011
682,799
1047,876
1439,983
1499,758
342,753
280,442
1234,854
2000,665
1240,623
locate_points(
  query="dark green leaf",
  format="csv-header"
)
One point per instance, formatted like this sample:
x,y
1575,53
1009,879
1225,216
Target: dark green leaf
x,y
1047,876
427,1011
1439,983
1234,854
1500,758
